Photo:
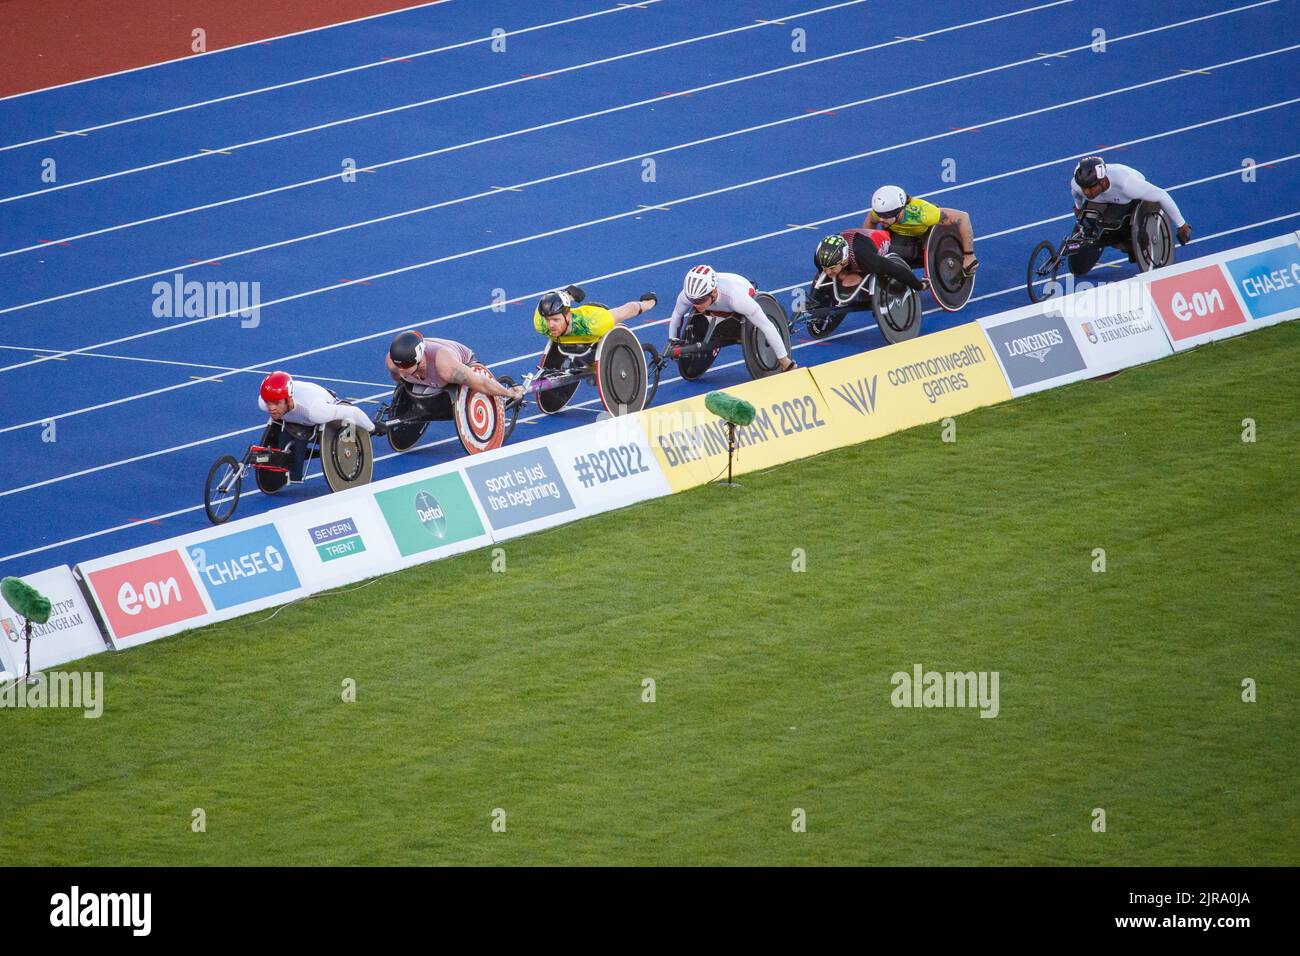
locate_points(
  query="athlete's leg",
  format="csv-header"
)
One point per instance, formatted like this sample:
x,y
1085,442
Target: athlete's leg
x,y
1081,262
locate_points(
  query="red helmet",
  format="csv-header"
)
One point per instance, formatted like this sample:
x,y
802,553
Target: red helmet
x,y
277,387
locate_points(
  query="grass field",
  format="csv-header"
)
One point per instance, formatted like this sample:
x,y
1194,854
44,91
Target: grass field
x,y
522,690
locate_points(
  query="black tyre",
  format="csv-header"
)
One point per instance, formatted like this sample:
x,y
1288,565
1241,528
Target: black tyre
x,y
1040,277
221,491
760,359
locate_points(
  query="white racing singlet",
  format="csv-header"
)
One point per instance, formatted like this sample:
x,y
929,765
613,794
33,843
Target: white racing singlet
x,y
1126,185
735,294
314,405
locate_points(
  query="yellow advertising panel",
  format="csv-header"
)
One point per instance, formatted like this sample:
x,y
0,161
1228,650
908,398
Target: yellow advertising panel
x,y
923,380
792,421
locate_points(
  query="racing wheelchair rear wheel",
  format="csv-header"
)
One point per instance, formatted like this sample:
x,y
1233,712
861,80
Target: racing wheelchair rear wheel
x,y
553,400
1153,240
759,357
402,437
945,268
221,492
480,419
346,456
1041,271
621,373
897,309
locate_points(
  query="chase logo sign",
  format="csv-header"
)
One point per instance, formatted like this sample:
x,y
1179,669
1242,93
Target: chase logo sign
x,y
338,539
243,567
1269,281
1036,349
429,514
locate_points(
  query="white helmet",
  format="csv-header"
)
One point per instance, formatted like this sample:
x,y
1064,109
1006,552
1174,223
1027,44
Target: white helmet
x,y
700,281
888,200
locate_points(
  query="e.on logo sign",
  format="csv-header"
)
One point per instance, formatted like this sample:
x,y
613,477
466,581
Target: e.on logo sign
x,y
147,593
1196,302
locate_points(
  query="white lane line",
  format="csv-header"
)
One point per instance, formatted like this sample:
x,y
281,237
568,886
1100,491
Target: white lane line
x,y
477,309
44,245
158,361
387,61
227,49
669,381
529,78
909,142
502,363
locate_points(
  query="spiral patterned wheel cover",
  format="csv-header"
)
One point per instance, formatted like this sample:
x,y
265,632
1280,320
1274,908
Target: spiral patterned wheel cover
x,y
480,418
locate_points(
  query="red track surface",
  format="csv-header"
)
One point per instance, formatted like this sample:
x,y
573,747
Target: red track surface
x,y
47,42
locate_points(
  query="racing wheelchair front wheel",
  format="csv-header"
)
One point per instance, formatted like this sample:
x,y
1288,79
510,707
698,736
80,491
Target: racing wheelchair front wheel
x,y
691,367
1040,278
221,491
760,359
1153,240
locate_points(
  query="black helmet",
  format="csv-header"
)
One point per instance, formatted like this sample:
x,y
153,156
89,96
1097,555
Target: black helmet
x,y
1090,171
407,349
553,303
831,251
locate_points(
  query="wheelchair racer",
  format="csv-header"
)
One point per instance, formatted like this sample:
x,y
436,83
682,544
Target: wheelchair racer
x,y
910,218
438,363
1097,181
304,403
710,292
562,318
850,256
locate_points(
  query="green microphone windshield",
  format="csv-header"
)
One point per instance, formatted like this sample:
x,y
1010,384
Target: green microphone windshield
x,y
729,408
26,600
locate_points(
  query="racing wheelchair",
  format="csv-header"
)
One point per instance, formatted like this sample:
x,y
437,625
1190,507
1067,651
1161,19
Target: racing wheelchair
x,y
704,334
939,254
896,307
483,422
1139,228
287,449
625,379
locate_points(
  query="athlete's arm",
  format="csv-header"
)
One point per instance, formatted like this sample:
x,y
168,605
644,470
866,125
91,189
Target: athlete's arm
x,y
680,308
630,310
961,219
1138,187
453,370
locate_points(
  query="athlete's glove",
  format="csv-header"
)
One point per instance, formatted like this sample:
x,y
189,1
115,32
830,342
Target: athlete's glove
x,y
1184,234
575,293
